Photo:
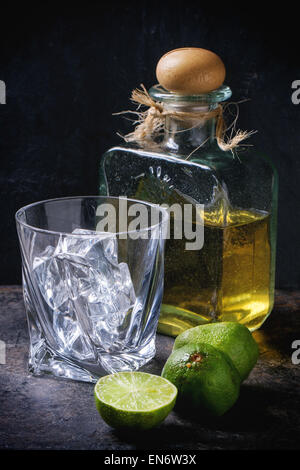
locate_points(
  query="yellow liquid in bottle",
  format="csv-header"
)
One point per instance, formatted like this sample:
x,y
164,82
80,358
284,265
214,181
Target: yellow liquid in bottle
x,y
229,279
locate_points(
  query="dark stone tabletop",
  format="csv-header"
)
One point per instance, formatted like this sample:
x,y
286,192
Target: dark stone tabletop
x,y
49,413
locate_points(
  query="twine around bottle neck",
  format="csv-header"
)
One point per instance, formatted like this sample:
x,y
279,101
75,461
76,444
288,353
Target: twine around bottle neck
x,y
150,123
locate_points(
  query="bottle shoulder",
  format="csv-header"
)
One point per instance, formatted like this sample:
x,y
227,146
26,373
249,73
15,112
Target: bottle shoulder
x,y
209,158
245,179
151,156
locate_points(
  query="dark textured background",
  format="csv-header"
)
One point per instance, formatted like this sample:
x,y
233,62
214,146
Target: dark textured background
x,y
68,67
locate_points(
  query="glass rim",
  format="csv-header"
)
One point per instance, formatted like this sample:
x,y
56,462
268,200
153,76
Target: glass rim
x,y
20,212
158,93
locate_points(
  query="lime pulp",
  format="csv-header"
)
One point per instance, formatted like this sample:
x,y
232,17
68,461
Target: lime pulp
x,y
134,399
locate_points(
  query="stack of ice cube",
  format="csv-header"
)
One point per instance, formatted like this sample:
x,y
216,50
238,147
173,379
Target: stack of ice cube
x,y
88,291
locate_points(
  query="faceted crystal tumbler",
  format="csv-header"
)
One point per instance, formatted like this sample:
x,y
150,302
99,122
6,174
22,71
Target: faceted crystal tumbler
x,y
92,282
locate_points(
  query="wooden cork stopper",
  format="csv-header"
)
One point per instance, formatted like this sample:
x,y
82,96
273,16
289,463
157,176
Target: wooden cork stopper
x,y
190,71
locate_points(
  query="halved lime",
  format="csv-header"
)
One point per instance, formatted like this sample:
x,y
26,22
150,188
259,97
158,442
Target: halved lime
x,y
134,400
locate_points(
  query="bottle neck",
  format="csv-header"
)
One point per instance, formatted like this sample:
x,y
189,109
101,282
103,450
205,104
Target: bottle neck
x,y
184,136
189,133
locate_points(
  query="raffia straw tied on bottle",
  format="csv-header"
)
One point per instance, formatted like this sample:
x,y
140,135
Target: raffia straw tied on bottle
x,y
186,71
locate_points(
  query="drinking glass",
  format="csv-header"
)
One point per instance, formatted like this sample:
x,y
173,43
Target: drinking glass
x,y
92,282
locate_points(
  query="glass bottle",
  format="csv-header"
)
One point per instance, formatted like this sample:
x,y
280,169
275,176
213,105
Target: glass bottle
x,y
232,277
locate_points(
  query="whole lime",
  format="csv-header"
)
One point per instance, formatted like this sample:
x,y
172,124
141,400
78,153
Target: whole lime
x,y
231,338
205,378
